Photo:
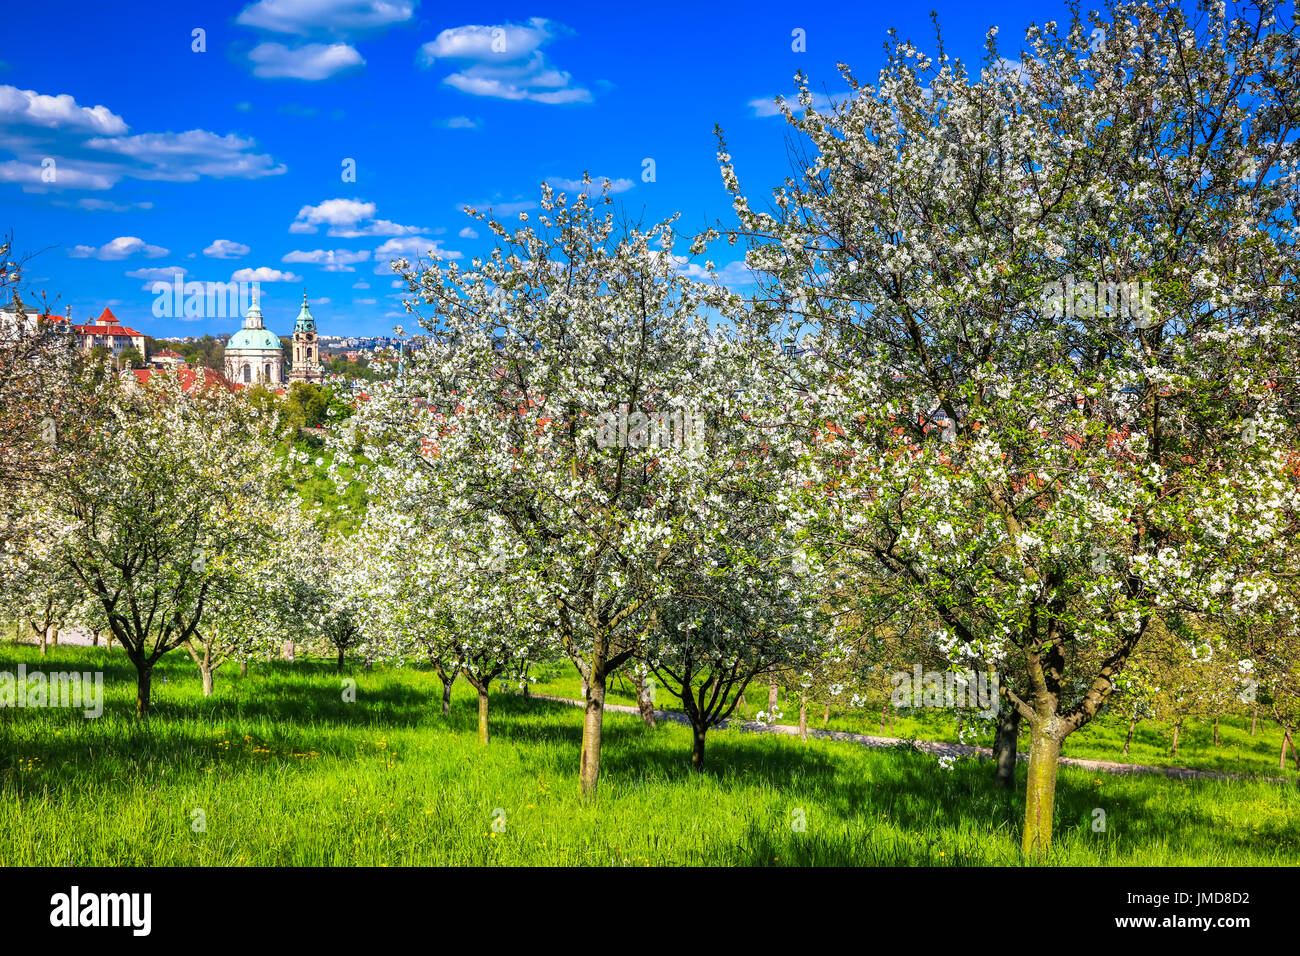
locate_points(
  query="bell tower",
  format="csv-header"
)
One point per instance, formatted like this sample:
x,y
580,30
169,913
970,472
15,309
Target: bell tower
x,y
306,349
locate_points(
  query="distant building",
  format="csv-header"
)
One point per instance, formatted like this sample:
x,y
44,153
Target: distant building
x,y
108,333
167,359
105,332
253,354
306,349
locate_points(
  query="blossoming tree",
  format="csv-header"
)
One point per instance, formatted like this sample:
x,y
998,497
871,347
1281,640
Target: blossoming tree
x,y
567,392
162,500
1044,309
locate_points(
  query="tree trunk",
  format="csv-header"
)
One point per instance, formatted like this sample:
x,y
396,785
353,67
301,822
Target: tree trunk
x,y
586,689
108,641
589,773
1173,752
54,637
643,702
803,716
482,715
94,638
1286,742
1253,717
1040,790
697,748
1129,739
883,711
205,671
446,695
1004,747
340,664
287,651
744,704
771,699
826,715
143,687
1216,730
243,667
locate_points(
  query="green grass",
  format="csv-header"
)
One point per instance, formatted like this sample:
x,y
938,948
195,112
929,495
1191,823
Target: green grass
x,y
1103,739
287,773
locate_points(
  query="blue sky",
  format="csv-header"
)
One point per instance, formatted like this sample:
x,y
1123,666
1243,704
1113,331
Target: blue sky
x,y
228,163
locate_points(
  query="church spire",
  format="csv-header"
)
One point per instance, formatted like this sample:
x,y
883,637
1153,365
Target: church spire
x,y
253,320
305,322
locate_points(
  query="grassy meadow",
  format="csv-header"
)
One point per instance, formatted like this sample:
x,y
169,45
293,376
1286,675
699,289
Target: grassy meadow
x,y
276,769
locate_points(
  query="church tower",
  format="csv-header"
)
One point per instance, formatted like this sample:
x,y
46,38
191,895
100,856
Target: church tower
x,y
306,350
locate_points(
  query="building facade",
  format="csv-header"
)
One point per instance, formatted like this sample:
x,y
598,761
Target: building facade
x,y
253,354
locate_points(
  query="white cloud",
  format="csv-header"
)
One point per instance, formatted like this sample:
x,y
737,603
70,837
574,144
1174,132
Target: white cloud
x,y
226,249
311,61
332,212
264,274
123,247
344,218
333,260
732,274
412,247
594,188
459,122
379,227
365,301
361,285
767,105
505,62
185,157
27,107
500,209
68,174
157,274
104,205
468,233
334,17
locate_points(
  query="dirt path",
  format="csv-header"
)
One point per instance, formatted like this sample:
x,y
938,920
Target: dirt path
x,y
938,748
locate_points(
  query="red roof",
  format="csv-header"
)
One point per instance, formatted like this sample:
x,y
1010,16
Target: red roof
x,y
168,353
106,324
117,330
190,378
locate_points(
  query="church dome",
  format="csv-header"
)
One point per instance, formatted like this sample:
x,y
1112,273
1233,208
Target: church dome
x,y
258,339
254,336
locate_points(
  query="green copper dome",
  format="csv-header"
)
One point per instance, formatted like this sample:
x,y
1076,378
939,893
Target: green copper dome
x,y
304,323
259,339
254,335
